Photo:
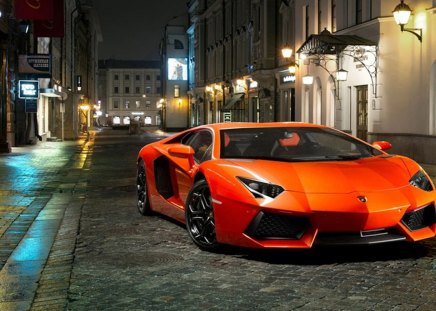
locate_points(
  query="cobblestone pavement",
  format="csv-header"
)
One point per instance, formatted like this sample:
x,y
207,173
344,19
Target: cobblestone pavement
x,y
106,256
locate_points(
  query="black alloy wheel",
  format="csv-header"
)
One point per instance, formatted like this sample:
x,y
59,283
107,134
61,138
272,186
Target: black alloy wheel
x,y
200,220
141,188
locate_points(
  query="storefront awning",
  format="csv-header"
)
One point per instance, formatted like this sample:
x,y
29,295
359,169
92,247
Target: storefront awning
x,y
50,92
327,43
230,102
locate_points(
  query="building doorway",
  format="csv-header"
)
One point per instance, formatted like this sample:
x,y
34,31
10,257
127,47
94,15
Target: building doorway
x,y
362,112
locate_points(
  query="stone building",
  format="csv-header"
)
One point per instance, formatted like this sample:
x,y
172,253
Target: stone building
x,y
57,54
351,67
130,90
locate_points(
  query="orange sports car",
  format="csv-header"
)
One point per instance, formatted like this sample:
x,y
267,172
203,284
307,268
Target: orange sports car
x,y
284,185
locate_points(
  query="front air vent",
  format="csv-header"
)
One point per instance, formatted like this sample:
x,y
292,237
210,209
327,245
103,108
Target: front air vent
x,y
277,226
420,218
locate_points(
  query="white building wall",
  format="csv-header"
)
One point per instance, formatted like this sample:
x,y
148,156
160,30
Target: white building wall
x,y
402,108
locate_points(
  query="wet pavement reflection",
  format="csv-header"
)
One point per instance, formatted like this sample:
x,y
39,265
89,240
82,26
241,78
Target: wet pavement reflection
x,y
71,238
31,211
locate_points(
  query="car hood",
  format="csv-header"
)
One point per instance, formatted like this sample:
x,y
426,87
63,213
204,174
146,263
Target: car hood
x,y
364,175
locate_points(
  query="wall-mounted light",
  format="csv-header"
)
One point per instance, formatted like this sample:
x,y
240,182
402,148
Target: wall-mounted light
x,y
287,51
341,75
79,82
292,69
402,14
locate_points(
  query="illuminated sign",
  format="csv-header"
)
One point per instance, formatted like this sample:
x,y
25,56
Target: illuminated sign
x,y
288,78
178,69
28,89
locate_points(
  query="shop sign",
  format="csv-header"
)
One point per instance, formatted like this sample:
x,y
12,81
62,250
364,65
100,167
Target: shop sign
x,y
288,78
39,64
28,89
227,116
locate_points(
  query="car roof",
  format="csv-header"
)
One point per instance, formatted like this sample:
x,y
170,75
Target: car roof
x,y
234,125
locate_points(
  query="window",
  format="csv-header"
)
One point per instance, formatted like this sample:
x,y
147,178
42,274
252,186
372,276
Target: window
x,y
148,104
176,91
126,77
178,45
137,90
138,104
116,104
127,90
158,89
158,78
115,77
319,17
201,142
127,104
116,89
306,21
137,77
333,15
147,77
147,90
359,12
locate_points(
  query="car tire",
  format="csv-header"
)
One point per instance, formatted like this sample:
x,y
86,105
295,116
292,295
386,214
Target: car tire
x,y
200,221
143,203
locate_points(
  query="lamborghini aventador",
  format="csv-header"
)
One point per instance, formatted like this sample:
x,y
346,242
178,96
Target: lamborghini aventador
x,y
284,185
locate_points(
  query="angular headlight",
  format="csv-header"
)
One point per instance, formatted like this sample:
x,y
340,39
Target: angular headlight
x,y
421,181
260,189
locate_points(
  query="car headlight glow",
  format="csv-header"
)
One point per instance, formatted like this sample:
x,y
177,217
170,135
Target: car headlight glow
x,y
260,189
421,181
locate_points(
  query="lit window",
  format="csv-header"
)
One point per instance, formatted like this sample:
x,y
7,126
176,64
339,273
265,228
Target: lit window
x,y
127,104
176,91
138,104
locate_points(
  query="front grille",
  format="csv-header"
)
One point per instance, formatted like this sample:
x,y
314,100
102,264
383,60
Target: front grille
x,y
277,226
420,218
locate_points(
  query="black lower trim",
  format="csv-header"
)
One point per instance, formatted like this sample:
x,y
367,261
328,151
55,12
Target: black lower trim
x,y
277,226
356,238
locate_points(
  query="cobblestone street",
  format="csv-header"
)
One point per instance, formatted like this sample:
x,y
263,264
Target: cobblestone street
x,y
72,239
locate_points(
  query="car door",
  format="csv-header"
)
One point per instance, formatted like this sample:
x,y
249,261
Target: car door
x,y
202,144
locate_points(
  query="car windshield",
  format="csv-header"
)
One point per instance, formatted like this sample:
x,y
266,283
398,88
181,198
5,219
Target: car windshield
x,y
296,144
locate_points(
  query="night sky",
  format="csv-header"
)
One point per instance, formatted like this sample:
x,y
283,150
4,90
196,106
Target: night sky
x,y
132,29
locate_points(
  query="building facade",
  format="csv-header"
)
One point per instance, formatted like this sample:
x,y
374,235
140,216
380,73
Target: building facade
x,y
388,91
130,90
56,56
175,63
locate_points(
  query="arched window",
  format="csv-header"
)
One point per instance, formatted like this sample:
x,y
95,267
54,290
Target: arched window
x,y
178,45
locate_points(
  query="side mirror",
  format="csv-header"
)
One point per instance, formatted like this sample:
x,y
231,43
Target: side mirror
x,y
181,151
382,145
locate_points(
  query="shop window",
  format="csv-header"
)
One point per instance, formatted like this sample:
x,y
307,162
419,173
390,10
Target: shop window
x,y
116,120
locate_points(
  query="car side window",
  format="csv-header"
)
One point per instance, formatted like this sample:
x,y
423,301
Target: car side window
x,y
201,142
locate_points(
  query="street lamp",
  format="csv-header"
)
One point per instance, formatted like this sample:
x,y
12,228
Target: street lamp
x,y
402,14
341,75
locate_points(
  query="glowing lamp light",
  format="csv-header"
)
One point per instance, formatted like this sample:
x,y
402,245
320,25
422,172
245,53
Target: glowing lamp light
x,y
341,75
402,13
286,51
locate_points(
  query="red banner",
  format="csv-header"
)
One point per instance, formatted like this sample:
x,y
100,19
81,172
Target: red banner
x,y
53,27
34,9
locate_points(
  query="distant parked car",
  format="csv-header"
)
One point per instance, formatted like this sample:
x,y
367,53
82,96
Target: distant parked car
x,y
284,185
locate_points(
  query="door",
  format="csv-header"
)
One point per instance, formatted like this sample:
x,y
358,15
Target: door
x,y
362,112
